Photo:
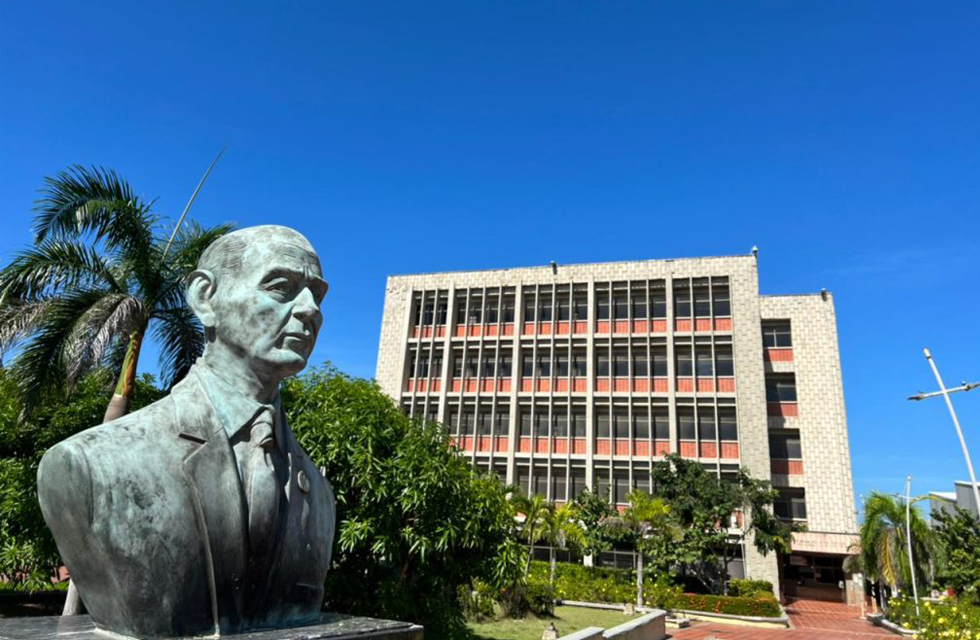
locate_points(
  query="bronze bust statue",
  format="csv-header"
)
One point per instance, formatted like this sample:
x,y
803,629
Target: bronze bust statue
x,y
200,514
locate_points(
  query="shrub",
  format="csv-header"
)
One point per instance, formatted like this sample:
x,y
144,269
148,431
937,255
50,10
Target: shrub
x,y
759,607
540,596
954,619
750,588
589,584
661,593
478,600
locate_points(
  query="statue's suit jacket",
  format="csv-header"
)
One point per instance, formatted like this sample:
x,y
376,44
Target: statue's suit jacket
x,y
149,515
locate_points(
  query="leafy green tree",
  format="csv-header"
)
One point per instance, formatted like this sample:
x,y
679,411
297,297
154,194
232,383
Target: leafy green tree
x,y
595,513
102,274
415,520
561,531
702,508
647,517
884,543
958,535
536,511
28,556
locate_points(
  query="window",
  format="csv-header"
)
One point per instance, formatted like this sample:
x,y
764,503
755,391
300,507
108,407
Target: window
x,y
790,504
706,424
702,303
460,310
704,363
661,424
621,307
437,365
578,423
641,425
452,419
577,482
468,423
545,309
621,482
781,388
602,367
621,420
621,364
544,365
424,365
602,483
411,364
682,302
501,422
639,306
471,364
457,365
602,308
658,304
640,368
508,310
505,367
721,301
525,431
483,423
529,309
493,310
685,423
541,423
660,363
441,310
581,308
723,361
776,334
527,365
641,481
428,312
579,365
539,482
563,309
560,426
523,479
785,446
602,423
727,425
489,364
476,311
558,484
561,365
684,367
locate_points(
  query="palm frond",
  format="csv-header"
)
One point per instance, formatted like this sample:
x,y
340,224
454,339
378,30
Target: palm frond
x,y
181,339
188,246
116,316
17,319
54,265
81,199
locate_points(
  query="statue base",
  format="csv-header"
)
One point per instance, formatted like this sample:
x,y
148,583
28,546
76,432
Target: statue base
x,y
332,626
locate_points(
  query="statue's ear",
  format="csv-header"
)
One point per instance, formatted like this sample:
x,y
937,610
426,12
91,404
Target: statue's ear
x,y
201,286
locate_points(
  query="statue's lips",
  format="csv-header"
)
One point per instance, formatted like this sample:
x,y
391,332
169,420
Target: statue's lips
x,y
297,339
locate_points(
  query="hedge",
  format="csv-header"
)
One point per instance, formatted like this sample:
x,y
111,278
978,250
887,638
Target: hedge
x,y
736,606
746,588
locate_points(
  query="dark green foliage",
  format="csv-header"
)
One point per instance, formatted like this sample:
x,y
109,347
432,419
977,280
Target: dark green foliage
x,y
595,513
540,596
745,588
478,601
600,584
959,537
760,607
415,520
28,557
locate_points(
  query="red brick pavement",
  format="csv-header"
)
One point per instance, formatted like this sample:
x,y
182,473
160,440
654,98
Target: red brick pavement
x,y
810,620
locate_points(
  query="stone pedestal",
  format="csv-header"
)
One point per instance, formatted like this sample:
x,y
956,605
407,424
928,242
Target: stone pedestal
x,y
332,626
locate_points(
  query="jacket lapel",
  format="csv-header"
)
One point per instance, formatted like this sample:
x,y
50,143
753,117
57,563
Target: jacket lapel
x,y
219,502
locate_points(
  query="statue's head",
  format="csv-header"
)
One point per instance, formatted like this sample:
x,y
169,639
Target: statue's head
x,y
257,291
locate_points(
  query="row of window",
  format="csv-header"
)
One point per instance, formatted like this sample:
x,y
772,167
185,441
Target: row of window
x,y
785,445
780,387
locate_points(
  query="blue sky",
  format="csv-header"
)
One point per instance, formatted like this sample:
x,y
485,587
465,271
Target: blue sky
x,y
841,138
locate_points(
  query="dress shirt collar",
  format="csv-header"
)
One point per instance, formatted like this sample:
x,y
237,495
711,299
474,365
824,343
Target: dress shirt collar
x,y
233,408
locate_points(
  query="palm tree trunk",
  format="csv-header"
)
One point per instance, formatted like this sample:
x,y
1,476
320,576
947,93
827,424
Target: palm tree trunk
x,y
551,576
639,578
118,407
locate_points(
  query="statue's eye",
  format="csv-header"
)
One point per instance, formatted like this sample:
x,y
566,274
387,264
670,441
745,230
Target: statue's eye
x,y
280,286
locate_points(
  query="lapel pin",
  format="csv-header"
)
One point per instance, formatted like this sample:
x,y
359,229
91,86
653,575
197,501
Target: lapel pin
x,y
303,481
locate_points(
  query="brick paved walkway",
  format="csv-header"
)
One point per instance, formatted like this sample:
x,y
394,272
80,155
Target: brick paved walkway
x,y
811,620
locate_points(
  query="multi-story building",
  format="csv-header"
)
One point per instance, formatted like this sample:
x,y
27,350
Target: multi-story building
x,y
563,377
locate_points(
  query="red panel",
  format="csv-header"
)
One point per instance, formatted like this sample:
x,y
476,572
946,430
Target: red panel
x,y
706,385
415,331
452,441
729,449
527,384
561,384
544,385
786,467
689,449
621,326
661,385
436,385
640,326
709,450
559,445
466,443
525,445
660,326
602,447
460,330
661,447
563,328
409,384
602,326
723,324
476,330
580,327
540,445
471,386
726,385
578,445
528,328
641,385
500,444
602,384
779,355
426,332
682,324
784,409
440,331
487,386
508,329
484,443
581,385
685,385
420,385
504,384
490,330
457,384
641,448
702,324
544,328
622,384
622,447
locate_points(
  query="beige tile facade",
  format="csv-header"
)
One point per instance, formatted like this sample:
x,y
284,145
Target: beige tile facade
x,y
653,378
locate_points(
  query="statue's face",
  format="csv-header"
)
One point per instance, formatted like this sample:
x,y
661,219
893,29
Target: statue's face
x,y
269,312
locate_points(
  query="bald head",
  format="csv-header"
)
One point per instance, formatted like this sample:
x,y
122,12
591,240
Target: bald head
x,y
226,255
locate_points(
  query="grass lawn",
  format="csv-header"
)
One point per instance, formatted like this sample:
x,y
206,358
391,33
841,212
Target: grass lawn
x,y
566,620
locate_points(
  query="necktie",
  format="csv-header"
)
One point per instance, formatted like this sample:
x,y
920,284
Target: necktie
x,y
263,485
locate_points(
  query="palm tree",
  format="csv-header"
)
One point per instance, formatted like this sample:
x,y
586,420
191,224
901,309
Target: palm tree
x,y
645,516
535,510
883,543
98,279
561,528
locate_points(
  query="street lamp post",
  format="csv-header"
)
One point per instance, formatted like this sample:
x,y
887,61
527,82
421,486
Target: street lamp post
x,y
908,539
959,431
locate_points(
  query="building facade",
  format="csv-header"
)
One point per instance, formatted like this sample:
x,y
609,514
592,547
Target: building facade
x,y
564,377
